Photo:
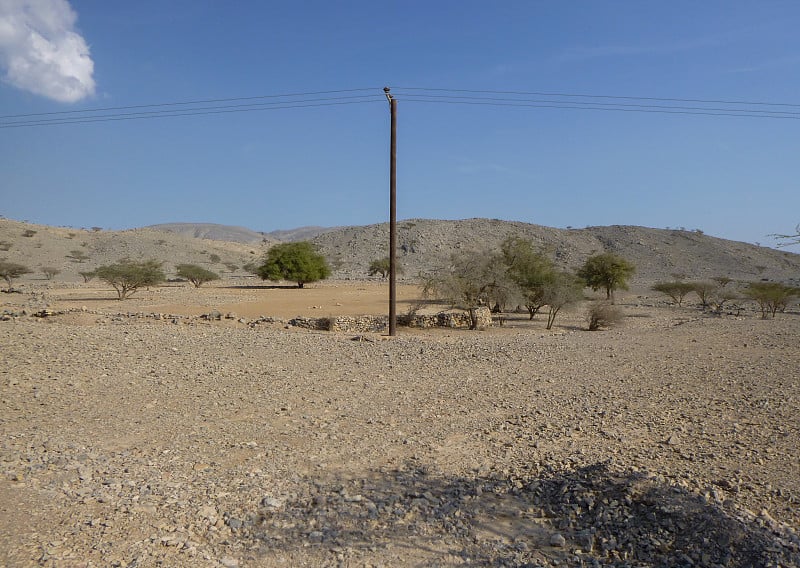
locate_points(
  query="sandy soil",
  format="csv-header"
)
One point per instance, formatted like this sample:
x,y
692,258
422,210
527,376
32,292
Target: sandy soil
x,y
671,440
246,297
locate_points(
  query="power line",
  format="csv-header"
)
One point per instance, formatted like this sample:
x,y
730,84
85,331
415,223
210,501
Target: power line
x,y
187,112
457,98
182,112
498,98
546,94
746,114
198,102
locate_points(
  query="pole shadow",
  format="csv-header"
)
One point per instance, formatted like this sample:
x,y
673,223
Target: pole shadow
x,y
591,516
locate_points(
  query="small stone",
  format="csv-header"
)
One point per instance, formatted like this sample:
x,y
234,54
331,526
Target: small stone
x,y
234,523
271,503
229,562
558,540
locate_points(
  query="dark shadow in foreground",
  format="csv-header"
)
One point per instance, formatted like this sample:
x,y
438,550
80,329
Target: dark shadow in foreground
x,y
263,287
592,516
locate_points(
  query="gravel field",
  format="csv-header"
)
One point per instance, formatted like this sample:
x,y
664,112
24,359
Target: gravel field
x,y
672,440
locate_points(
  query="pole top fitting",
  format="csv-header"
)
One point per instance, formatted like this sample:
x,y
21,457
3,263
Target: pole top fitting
x,y
387,93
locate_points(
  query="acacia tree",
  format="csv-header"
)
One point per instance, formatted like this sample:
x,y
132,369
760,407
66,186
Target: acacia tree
x,y
127,276
87,275
676,290
561,289
9,271
472,280
197,275
770,296
297,262
382,266
530,270
608,272
704,291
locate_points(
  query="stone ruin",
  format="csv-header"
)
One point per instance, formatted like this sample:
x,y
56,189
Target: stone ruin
x,y
380,324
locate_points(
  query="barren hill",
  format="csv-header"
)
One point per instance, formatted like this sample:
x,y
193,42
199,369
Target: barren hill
x,y
425,245
38,246
300,233
211,231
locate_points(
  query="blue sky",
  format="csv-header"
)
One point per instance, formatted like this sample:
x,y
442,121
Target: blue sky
x,y
733,177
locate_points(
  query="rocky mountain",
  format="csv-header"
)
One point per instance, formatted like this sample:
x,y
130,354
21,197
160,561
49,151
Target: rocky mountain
x,y
424,245
72,251
212,231
237,234
299,234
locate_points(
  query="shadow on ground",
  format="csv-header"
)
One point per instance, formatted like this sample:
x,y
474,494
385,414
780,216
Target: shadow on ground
x,y
591,516
263,287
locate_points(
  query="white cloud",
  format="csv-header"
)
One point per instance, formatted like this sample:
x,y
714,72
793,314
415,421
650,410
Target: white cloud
x,y
40,52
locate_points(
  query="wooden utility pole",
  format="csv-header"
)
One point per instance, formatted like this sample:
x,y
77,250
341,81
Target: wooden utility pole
x,y
392,216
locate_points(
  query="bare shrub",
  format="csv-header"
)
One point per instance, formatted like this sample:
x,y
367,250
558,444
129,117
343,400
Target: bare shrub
x,y
77,256
50,271
603,315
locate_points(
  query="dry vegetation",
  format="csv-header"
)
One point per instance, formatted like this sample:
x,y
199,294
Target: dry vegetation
x,y
136,435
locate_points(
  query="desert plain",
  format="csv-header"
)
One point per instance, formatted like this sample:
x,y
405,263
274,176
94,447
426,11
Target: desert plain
x,y
139,433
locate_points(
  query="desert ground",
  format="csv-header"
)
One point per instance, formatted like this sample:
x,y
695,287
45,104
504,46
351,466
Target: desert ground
x,y
137,434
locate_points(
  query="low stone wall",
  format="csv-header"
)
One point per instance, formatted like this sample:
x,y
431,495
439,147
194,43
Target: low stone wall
x,y
380,324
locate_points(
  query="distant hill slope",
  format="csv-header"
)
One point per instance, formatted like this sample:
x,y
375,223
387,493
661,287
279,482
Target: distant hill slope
x,y
211,231
237,234
425,245
46,246
299,234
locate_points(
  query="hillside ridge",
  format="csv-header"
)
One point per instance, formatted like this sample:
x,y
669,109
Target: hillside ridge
x,y
424,245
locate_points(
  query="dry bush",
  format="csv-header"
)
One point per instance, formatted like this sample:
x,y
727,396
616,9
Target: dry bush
x,y
603,315
50,271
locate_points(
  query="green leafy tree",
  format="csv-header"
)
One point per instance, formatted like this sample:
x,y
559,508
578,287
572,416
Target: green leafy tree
x,y
608,272
251,267
676,290
197,275
127,276
382,266
770,296
296,262
9,271
530,270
